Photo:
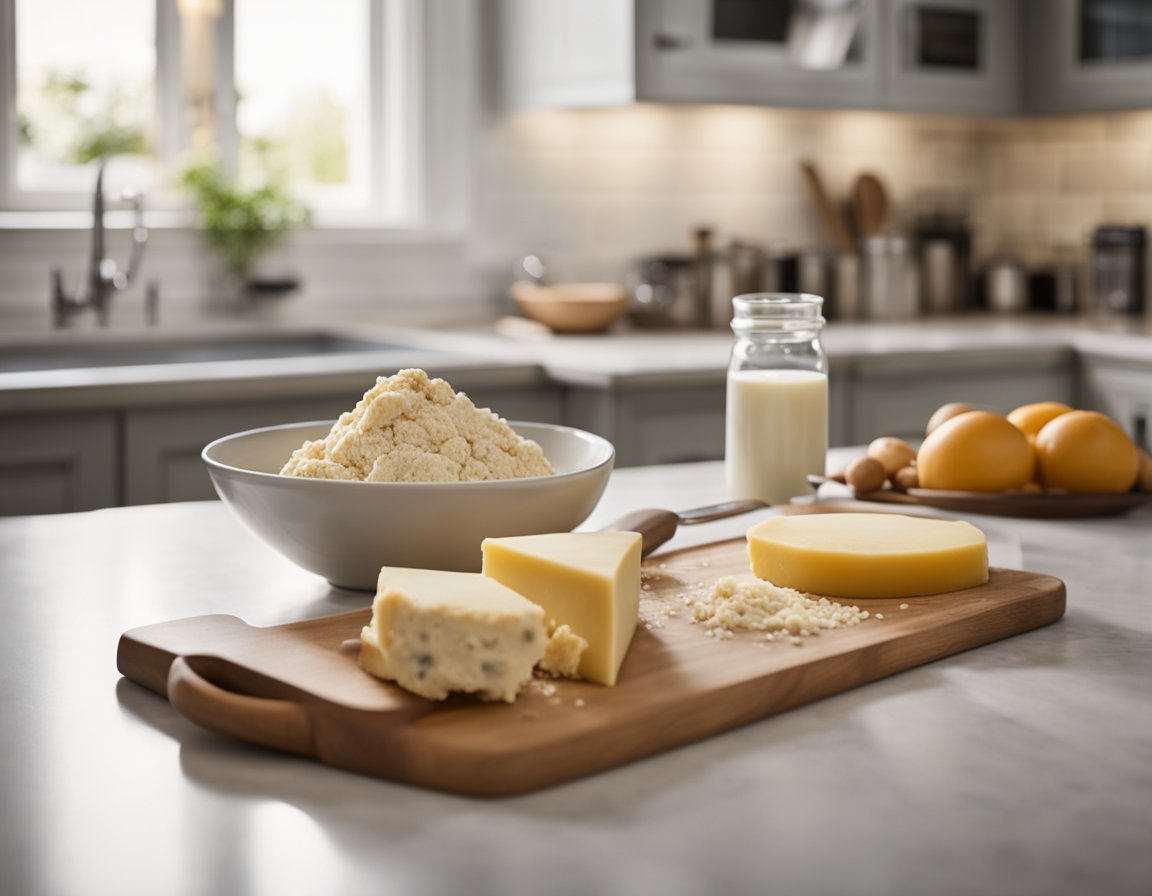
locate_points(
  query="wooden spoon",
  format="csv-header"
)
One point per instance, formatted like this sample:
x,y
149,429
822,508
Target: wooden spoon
x,y
870,200
834,226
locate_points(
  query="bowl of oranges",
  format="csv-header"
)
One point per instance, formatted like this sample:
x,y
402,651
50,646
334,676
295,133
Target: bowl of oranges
x,y
1045,459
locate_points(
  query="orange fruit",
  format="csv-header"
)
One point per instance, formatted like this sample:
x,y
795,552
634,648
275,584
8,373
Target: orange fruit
x,y
1030,418
946,412
978,451
1086,451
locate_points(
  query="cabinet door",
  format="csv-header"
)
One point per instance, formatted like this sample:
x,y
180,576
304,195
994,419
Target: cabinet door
x,y
656,425
680,59
896,397
566,52
162,445
1123,392
57,464
953,56
1057,76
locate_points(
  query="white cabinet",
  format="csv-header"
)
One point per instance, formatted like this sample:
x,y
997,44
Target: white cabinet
x,y
1123,391
1065,46
56,463
560,53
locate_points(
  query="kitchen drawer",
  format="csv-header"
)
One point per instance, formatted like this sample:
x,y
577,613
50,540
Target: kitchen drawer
x,y
58,463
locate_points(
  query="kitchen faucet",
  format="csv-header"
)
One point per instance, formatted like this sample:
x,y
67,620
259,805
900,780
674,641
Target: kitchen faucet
x,y
103,276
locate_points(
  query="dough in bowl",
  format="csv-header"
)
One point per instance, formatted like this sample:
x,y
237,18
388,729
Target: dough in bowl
x,y
411,428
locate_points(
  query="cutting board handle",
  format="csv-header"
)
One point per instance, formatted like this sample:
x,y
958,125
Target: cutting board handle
x,y
279,724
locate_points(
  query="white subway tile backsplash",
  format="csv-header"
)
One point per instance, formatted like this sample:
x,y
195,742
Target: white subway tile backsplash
x,y
592,190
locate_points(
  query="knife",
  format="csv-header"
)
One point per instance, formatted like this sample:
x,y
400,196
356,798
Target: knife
x,y
657,526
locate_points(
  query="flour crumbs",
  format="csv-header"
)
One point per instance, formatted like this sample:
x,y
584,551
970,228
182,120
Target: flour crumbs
x,y
760,606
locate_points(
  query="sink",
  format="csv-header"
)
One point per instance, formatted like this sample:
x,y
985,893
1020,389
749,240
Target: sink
x,y
185,351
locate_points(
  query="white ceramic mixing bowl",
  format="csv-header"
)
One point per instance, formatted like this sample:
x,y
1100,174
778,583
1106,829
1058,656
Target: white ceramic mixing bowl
x,y
345,531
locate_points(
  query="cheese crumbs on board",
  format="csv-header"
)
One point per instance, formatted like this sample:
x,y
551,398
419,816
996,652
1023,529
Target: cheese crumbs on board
x,y
410,428
760,606
562,652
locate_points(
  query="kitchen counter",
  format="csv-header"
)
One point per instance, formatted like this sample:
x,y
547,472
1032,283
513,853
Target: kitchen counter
x,y
1017,768
651,357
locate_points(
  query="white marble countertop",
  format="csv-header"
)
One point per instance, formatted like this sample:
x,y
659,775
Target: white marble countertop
x,y
1021,767
517,354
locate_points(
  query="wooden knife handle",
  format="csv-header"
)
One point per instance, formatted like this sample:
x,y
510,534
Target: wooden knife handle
x,y
279,724
655,527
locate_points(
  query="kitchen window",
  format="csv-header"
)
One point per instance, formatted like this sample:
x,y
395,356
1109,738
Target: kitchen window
x,y
335,99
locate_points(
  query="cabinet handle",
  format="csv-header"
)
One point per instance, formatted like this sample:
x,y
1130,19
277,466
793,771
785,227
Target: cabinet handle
x,y
662,41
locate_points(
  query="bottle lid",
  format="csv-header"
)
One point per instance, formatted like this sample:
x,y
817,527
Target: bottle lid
x,y
778,310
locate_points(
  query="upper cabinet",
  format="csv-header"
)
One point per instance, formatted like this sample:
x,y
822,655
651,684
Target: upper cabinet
x,y
734,51
973,57
952,56
1087,55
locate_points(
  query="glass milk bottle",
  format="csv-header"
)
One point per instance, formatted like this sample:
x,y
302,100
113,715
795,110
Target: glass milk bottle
x,y
776,429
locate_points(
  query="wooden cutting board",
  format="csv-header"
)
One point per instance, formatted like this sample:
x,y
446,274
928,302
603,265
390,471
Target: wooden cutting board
x,y
298,687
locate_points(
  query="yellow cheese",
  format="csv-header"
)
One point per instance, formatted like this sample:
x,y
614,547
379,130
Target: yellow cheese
x,y
868,554
589,581
433,632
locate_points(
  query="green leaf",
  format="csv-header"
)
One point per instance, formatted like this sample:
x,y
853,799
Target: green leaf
x,y
241,224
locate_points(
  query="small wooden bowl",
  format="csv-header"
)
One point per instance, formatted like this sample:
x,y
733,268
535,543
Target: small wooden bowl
x,y
572,307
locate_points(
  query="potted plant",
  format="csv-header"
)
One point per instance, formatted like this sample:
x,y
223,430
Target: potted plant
x,y
243,224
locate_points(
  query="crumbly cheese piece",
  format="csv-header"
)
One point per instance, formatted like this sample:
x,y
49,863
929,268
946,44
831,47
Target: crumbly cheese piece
x,y
589,581
434,632
760,606
409,428
868,554
562,652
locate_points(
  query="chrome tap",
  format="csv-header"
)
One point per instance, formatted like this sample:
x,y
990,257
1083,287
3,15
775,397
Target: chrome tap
x,y
104,276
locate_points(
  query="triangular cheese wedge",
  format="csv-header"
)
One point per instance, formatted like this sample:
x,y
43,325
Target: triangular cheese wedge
x,y
589,581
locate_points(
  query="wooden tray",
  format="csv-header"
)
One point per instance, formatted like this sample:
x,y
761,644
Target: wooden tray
x,y
1017,504
298,687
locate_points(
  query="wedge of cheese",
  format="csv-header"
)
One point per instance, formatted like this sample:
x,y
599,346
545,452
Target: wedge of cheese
x,y
868,554
434,632
589,581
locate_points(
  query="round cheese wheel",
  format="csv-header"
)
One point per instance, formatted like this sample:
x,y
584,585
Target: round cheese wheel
x,y
860,555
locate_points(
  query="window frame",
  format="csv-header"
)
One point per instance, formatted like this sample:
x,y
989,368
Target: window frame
x,y
430,97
